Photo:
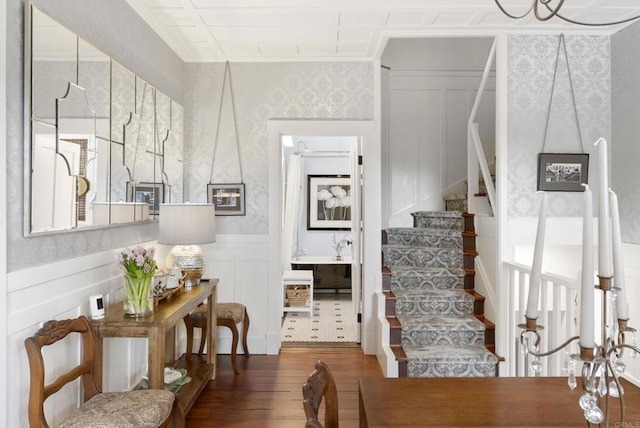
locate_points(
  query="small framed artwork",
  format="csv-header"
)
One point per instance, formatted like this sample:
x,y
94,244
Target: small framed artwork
x,y
328,202
228,198
150,193
563,172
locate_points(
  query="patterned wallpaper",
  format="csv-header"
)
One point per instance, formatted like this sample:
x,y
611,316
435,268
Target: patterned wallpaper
x,y
262,91
531,61
625,150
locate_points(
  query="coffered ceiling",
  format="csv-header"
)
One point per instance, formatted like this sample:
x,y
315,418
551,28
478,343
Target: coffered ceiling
x,y
300,30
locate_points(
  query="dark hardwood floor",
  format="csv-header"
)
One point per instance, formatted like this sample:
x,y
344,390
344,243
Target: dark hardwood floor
x,y
268,390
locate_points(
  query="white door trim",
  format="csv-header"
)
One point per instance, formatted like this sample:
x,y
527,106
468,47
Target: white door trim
x,y
371,222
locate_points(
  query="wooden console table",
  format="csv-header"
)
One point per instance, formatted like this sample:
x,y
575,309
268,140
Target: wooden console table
x,y
487,402
161,351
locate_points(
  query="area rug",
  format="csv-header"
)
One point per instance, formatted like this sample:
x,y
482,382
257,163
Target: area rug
x,y
333,321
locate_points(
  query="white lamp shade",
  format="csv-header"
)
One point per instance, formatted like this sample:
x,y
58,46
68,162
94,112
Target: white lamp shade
x,y
187,224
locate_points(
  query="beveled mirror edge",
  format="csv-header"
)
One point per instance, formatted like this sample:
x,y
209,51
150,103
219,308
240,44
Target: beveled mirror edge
x,y
27,120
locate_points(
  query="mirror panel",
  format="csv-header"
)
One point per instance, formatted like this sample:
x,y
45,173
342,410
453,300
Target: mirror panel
x,y
98,136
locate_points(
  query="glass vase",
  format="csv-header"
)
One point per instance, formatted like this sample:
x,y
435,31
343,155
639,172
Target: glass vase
x,y
138,297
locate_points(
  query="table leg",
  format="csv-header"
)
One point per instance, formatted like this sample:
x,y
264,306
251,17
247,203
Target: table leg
x,y
212,329
156,358
97,358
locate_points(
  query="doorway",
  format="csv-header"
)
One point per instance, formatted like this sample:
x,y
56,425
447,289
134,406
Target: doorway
x,y
321,183
367,265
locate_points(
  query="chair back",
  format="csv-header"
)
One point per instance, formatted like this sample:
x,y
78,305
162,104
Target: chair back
x,y
50,333
320,385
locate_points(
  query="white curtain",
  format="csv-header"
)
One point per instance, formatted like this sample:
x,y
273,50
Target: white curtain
x,y
292,209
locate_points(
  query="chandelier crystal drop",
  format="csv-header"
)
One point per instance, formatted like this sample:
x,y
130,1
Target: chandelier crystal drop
x,y
544,10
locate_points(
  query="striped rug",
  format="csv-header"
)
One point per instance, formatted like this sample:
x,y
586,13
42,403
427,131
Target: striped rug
x,y
333,321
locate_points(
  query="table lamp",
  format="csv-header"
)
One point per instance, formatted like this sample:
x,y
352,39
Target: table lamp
x,y
187,226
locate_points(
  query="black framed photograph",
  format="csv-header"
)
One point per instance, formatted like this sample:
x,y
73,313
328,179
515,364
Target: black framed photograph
x,y
328,202
228,198
150,193
563,172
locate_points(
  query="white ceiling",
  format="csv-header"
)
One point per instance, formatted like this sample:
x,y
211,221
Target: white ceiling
x,y
301,30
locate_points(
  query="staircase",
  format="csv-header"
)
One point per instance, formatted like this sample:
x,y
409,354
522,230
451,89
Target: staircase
x,y
436,318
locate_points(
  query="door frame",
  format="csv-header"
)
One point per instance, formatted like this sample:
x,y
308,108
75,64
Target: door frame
x,y
364,129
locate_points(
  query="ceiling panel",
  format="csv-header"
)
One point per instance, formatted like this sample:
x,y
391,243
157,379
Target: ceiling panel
x,y
216,30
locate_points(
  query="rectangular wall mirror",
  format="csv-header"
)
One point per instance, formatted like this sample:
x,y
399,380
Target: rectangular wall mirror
x,y
93,128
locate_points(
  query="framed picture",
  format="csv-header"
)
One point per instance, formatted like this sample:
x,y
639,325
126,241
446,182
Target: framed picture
x,y
328,202
563,172
151,193
228,198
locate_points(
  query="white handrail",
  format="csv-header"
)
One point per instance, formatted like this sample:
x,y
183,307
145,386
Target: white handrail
x,y
475,152
558,314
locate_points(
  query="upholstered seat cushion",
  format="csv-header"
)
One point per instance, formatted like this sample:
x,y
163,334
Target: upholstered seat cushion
x,y
132,409
234,311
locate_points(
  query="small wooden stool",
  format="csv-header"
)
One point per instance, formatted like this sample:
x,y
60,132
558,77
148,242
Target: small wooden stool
x,y
228,315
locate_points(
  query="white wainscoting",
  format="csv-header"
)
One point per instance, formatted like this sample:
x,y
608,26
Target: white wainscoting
x,y
426,142
61,290
58,291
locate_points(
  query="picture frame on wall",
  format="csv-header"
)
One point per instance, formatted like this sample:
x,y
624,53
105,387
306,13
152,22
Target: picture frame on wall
x,y
229,198
563,172
150,193
328,202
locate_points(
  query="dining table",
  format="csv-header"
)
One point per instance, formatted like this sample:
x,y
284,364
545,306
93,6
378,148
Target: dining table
x,y
485,402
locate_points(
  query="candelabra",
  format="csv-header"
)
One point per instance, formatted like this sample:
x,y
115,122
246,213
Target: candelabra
x,y
602,364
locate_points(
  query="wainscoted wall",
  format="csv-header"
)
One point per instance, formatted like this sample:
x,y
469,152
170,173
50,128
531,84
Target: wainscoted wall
x,y
429,92
531,62
60,290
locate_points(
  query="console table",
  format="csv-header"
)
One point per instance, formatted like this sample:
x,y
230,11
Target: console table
x,y
161,351
487,402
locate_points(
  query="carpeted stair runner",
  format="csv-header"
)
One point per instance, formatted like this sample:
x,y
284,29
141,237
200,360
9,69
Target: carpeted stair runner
x,y
440,334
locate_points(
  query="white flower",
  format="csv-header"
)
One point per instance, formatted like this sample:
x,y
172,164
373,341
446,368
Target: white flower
x,y
324,194
338,191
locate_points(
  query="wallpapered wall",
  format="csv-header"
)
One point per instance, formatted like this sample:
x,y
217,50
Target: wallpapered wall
x,y
113,33
625,90
531,62
262,91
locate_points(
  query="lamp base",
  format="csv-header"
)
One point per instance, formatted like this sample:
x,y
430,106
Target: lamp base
x,y
190,260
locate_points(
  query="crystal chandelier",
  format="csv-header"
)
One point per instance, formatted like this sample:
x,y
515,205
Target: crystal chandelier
x,y
544,10
602,363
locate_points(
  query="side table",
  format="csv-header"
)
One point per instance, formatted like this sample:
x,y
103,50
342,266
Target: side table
x,y
154,327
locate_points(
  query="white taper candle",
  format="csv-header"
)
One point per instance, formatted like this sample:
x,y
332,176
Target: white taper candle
x,y
604,221
536,265
618,260
587,289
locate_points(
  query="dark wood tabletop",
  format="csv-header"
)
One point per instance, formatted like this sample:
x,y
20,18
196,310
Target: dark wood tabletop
x,y
488,402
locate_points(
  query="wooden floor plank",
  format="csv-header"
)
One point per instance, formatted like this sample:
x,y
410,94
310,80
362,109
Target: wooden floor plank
x,y
268,390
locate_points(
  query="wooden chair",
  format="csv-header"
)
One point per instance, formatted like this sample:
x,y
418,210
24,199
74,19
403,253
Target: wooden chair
x,y
228,315
152,407
320,385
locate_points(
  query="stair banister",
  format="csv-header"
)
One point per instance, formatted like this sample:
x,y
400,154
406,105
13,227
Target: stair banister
x,y
558,315
475,152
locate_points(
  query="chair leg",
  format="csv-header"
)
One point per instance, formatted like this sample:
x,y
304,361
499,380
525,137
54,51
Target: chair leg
x,y
188,323
234,342
245,329
203,338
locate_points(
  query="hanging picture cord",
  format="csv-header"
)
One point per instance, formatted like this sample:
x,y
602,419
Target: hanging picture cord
x,y
561,43
227,71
